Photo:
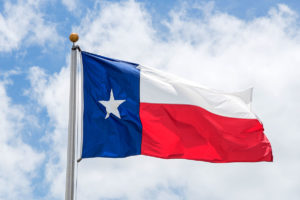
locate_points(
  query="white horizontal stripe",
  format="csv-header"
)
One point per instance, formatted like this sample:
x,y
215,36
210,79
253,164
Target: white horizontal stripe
x,y
159,87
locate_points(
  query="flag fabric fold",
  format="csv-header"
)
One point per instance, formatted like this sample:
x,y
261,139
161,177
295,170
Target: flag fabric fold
x,y
131,110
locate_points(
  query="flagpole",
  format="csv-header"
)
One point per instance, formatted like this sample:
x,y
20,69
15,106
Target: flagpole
x,y
69,194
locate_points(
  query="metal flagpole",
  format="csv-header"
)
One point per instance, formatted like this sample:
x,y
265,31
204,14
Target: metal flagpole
x,y
69,195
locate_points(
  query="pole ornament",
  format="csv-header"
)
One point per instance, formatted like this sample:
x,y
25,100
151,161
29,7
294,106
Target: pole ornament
x,y
74,37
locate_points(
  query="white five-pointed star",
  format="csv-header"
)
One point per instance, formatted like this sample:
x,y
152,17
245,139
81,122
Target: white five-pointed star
x,y
112,105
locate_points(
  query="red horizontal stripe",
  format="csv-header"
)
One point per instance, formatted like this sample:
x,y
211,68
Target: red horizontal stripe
x,y
190,132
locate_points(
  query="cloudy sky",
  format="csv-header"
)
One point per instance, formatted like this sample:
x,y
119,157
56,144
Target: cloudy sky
x,y
223,44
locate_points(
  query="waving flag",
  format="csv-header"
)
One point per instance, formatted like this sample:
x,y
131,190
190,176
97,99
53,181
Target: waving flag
x,y
131,110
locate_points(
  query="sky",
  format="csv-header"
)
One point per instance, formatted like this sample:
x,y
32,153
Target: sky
x,y
226,45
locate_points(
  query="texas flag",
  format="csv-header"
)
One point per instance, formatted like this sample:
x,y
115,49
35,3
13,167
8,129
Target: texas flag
x,y
130,110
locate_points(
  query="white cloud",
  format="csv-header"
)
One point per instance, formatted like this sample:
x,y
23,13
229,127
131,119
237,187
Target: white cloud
x,y
52,93
219,51
22,23
71,5
19,161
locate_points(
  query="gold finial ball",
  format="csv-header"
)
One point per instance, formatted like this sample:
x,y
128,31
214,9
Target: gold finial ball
x,y
74,37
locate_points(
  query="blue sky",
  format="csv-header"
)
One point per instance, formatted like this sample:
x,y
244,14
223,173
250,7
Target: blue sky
x,y
227,45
